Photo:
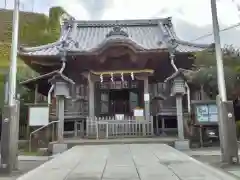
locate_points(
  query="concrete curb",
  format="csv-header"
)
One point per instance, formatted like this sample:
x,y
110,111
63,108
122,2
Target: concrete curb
x,y
33,158
220,173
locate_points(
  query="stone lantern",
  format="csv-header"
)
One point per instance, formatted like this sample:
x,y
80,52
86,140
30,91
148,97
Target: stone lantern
x,y
62,85
62,89
177,84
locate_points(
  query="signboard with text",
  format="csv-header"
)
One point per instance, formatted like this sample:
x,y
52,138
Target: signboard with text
x,y
206,113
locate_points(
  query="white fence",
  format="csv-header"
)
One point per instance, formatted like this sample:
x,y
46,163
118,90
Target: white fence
x,y
113,128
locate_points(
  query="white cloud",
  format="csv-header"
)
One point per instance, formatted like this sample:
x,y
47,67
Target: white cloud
x,y
74,8
197,12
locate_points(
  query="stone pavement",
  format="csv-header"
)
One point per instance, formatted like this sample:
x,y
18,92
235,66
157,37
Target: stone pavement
x,y
125,162
212,156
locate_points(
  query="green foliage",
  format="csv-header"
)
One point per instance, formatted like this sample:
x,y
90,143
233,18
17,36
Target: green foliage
x,y
207,75
207,59
34,30
238,128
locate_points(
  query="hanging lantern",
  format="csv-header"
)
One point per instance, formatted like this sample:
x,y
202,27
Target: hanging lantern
x,y
132,76
122,78
101,78
112,77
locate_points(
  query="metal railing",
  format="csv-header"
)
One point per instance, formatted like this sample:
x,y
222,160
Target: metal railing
x,y
37,130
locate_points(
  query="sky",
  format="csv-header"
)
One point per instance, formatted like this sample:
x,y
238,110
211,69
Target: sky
x,y
191,18
193,11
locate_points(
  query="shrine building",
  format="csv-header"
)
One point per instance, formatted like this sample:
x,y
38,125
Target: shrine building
x,y
112,67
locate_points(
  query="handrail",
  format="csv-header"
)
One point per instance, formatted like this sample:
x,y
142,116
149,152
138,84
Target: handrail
x,y
30,136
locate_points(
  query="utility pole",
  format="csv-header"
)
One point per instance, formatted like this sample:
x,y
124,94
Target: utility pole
x,y
227,126
9,137
33,1
5,4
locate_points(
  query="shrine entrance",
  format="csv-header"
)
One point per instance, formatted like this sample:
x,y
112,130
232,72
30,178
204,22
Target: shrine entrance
x,y
123,101
119,101
116,99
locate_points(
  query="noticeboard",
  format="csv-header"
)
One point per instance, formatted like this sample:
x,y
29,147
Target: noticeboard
x,y
38,116
138,112
206,113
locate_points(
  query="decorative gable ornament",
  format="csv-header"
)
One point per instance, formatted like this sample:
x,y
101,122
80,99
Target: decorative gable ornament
x,y
117,31
168,22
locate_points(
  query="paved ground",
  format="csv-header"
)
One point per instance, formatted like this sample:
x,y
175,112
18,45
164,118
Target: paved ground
x,y
212,156
24,167
125,162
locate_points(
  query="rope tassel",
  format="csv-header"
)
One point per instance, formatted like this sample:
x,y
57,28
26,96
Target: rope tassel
x,y
112,77
101,78
122,78
132,75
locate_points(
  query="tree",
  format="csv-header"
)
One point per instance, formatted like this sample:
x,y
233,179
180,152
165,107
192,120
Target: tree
x,y
206,74
207,78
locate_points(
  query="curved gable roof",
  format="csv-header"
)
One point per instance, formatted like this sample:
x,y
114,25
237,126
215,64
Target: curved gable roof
x,y
90,36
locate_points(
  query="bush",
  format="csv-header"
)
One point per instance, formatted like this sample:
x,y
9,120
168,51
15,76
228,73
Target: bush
x,y
238,128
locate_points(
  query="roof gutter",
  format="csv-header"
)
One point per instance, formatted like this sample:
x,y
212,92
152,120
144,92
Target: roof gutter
x,y
52,87
186,85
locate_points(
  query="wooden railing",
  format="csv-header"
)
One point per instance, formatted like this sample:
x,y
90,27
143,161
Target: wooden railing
x,y
69,114
113,128
169,111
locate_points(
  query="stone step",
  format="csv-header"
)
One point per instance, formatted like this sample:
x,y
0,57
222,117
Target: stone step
x,y
71,142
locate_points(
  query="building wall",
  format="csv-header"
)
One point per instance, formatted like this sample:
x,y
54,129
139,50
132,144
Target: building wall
x,y
159,92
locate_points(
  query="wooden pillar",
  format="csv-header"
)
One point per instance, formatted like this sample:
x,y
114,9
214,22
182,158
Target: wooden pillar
x,y
157,125
163,126
180,117
146,99
91,103
75,128
60,113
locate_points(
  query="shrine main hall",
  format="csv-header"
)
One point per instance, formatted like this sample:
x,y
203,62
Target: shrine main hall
x,y
108,68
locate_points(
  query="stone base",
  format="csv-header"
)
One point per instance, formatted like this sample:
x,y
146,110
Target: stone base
x,y
59,148
182,144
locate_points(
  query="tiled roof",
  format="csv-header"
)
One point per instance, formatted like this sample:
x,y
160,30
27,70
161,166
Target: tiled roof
x,y
90,36
46,77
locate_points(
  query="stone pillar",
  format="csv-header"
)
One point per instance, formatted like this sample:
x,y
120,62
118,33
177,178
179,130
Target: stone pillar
x,y
60,113
163,127
146,99
36,94
9,139
91,103
180,117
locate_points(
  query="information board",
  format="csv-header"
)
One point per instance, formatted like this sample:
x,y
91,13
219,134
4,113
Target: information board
x,y
39,116
138,112
206,113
